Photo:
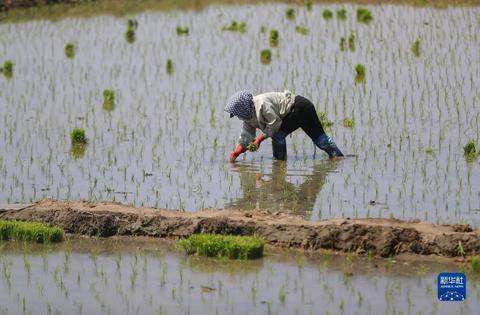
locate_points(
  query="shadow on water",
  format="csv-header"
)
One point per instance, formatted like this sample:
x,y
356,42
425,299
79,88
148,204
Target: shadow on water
x,y
275,191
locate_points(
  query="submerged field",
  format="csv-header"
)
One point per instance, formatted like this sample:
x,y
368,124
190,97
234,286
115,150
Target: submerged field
x,y
125,276
164,140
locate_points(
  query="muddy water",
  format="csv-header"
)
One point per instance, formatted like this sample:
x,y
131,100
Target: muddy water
x,y
165,142
148,277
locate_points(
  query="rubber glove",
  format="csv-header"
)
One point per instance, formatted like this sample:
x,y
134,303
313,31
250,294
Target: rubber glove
x,y
238,150
259,139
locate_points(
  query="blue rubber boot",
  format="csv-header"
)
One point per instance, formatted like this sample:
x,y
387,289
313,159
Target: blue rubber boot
x,y
279,146
326,143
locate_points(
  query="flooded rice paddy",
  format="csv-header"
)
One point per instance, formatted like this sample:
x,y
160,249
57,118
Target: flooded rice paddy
x,y
165,140
122,276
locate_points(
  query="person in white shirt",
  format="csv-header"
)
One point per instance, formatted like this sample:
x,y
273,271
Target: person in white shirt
x,y
276,114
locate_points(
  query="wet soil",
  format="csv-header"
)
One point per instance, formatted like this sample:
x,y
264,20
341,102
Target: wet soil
x,y
382,237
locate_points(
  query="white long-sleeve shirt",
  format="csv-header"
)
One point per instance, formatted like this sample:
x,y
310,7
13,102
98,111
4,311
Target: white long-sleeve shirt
x,y
270,109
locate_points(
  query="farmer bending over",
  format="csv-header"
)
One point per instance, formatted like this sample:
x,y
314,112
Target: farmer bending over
x,y
276,114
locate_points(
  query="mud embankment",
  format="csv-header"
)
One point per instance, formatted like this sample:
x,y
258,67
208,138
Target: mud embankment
x,y
384,237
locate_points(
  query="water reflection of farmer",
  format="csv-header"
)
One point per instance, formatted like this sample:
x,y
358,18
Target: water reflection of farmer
x,y
276,192
276,114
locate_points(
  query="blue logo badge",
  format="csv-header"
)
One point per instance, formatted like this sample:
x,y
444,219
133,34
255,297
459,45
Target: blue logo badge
x,y
452,286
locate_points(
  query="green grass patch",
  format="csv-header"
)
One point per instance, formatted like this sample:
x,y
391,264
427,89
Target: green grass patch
x,y
475,264
29,231
265,56
416,48
327,14
230,246
364,15
236,27
78,136
70,50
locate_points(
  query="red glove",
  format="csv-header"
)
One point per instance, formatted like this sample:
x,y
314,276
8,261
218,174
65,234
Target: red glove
x,y
238,150
259,140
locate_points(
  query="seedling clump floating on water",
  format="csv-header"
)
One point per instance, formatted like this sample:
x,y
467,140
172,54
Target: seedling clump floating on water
x,y
428,151
169,66
252,147
349,122
416,48
342,14
308,4
364,16
327,14
182,30
109,100
265,56
274,38
326,123
230,246
351,42
29,231
70,50
7,68
78,136
290,13
470,151
236,27
359,73
302,30
132,26
342,43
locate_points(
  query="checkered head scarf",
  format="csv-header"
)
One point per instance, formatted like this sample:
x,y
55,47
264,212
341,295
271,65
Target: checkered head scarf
x,y
240,104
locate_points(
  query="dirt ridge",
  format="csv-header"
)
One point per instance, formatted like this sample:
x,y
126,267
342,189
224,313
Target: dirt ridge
x,y
383,237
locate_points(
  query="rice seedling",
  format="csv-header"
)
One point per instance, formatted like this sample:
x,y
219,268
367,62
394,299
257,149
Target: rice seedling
x,y
460,249
70,50
475,264
351,42
301,29
78,150
470,152
7,69
78,136
29,231
364,16
109,100
252,147
265,56
428,151
342,14
263,29
349,122
182,30
132,26
236,27
169,66
290,13
230,246
274,38
326,123
327,14
416,48
359,73
342,43
308,5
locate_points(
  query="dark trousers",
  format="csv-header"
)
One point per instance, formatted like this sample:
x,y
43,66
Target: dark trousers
x,y
302,115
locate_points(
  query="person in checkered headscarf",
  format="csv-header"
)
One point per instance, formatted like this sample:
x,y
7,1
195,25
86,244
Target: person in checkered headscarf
x,y
276,114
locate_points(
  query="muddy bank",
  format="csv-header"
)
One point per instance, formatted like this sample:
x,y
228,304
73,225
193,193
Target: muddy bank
x,y
383,237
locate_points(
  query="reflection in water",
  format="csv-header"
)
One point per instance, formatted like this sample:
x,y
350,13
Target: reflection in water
x,y
275,191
